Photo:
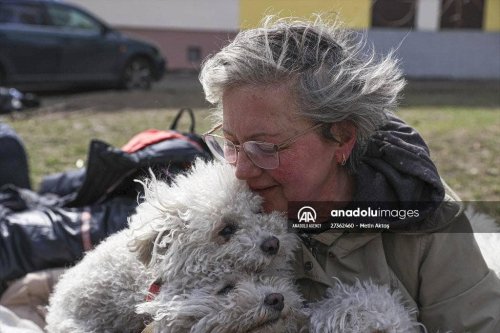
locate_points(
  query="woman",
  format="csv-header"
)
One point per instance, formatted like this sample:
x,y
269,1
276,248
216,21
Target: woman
x,y
305,116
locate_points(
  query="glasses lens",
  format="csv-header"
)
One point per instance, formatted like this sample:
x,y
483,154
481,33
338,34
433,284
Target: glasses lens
x,y
222,149
263,154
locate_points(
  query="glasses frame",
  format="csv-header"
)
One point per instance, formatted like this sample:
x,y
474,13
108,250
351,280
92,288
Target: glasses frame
x,y
277,147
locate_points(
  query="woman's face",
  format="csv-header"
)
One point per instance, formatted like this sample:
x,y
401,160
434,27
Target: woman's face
x,y
308,170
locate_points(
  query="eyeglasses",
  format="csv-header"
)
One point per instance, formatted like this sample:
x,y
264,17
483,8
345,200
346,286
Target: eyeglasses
x,y
265,155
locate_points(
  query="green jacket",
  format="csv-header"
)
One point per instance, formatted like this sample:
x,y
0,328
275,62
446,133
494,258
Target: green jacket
x,y
440,272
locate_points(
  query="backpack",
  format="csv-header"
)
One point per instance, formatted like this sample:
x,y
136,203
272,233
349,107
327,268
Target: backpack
x,y
111,171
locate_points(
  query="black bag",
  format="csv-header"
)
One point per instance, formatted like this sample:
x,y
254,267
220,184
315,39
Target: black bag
x,y
13,161
111,171
37,234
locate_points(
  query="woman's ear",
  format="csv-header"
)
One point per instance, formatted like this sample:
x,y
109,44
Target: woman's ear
x,y
345,132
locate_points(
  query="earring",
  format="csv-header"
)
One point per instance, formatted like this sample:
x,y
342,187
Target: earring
x,y
344,160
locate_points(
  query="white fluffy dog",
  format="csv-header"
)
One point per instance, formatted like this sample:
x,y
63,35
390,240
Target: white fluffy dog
x,y
363,307
100,293
214,223
206,221
229,303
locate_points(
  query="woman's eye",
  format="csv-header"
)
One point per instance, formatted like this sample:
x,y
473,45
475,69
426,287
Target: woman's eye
x,y
266,148
225,290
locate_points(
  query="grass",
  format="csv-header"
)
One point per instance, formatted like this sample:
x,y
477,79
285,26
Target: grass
x,y
465,146
461,127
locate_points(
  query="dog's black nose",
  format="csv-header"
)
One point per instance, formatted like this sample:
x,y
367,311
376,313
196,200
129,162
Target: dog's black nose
x,y
275,301
270,245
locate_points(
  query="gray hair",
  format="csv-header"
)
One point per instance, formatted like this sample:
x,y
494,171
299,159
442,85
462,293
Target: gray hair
x,y
333,76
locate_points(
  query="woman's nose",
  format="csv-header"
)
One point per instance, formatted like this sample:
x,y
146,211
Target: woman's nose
x,y
245,168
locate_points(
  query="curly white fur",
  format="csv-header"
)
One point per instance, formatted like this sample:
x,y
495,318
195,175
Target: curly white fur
x,y
362,307
213,221
205,253
100,293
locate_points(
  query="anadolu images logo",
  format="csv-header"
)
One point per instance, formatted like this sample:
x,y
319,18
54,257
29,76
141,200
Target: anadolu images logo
x,y
307,214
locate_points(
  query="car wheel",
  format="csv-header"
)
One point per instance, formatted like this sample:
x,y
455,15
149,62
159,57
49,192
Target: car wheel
x,y
137,74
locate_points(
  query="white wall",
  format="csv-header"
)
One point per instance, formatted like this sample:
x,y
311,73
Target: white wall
x,y
428,14
214,15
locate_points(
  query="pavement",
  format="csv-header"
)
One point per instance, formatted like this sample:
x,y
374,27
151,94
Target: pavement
x,y
175,90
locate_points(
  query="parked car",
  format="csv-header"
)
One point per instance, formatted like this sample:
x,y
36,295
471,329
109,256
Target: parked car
x,y
48,43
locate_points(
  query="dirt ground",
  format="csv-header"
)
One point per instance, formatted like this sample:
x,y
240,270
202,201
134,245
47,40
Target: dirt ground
x,y
175,90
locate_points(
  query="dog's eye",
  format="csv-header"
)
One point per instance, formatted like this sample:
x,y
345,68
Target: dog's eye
x,y
226,289
227,231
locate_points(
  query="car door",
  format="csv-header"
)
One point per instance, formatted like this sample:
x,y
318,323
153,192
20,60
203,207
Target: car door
x,y
88,52
28,51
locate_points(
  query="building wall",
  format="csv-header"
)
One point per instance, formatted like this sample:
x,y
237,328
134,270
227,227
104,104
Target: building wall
x,y
356,14
176,44
462,55
181,27
198,15
492,15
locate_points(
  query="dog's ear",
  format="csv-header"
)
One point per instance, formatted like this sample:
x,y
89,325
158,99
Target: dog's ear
x,y
144,252
144,245
152,221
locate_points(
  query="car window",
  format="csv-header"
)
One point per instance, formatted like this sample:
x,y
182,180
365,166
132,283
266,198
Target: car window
x,y
71,18
28,14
